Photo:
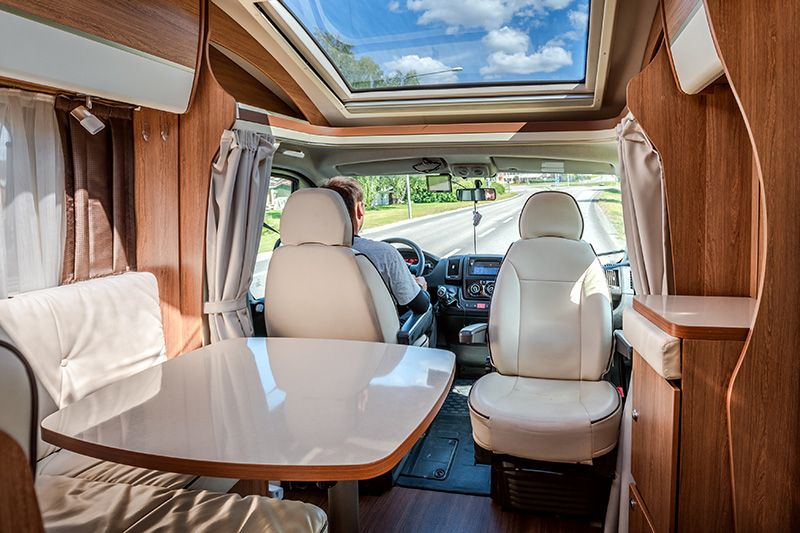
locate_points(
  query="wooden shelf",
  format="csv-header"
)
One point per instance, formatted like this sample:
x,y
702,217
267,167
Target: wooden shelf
x,y
699,317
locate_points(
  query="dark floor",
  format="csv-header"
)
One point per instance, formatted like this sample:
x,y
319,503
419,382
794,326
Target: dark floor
x,y
402,510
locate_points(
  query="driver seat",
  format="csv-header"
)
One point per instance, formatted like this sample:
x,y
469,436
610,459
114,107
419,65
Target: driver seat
x,y
319,287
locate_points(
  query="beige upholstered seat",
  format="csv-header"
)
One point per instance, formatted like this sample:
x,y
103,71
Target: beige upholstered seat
x,y
317,285
550,341
66,504
80,337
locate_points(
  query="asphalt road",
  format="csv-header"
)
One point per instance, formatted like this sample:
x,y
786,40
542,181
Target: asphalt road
x,y
450,233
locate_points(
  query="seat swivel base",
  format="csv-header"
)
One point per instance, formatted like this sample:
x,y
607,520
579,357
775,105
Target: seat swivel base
x,y
568,489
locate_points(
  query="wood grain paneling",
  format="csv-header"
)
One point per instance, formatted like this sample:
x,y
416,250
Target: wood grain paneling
x,y
675,14
403,510
244,87
211,112
757,43
157,217
19,509
654,442
225,32
706,164
705,496
654,39
639,520
168,29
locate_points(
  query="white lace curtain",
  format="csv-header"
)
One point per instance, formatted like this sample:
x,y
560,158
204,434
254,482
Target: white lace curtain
x,y
237,199
31,193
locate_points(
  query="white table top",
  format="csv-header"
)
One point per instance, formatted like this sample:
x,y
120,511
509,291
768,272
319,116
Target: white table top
x,y
292,409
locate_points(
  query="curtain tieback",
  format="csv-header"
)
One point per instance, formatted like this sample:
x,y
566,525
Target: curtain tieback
x,y
225,306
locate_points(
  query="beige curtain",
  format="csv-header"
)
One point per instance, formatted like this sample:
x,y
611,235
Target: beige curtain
x,y
644,208
236,203
31,193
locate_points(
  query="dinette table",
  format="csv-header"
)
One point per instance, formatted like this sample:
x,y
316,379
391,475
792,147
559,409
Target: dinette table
x,y
267,409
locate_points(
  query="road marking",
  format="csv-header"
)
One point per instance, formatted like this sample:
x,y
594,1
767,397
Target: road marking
x,y
487,232
508,219
451,252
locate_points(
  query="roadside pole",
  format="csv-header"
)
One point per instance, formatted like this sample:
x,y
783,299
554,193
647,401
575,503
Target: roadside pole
x,y
408,194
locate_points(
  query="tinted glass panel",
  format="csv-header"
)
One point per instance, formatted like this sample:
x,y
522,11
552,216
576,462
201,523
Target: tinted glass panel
x,y
393,43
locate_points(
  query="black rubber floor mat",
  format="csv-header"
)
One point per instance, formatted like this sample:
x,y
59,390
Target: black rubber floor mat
x,y
443,458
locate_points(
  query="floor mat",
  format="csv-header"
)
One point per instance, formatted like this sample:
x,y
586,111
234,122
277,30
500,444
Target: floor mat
x,y
444,458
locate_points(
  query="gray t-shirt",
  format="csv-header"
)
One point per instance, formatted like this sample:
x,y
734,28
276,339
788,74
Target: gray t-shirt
x,y
391,266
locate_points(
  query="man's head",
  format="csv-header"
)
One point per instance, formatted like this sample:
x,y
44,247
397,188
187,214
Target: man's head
x,y
352,194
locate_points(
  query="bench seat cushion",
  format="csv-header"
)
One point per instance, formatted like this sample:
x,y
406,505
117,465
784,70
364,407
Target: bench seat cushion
x,y
76,505
71,464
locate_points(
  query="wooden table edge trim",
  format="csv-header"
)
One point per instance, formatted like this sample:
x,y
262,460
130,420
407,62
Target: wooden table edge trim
x,y
246,470
716,333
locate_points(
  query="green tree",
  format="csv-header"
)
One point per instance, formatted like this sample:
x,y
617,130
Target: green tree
x,y
362,72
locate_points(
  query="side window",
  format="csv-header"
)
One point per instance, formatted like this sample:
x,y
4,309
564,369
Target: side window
x,y
279,190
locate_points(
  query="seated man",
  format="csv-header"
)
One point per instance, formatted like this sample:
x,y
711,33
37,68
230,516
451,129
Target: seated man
x,y
405,288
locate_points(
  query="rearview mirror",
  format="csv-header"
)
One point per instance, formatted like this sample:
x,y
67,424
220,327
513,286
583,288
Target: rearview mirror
x,y
440,183
476,195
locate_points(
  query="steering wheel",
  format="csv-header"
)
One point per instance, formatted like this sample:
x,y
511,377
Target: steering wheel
x,y
420,267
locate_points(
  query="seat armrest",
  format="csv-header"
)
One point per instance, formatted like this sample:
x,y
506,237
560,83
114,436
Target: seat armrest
x,y
473,334
622,346
417,325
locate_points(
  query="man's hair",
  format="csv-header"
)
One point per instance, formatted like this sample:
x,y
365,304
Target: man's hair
x,y
350,191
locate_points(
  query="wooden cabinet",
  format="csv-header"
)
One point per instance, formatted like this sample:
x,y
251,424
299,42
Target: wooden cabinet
x,y
639,520
654,442
680,453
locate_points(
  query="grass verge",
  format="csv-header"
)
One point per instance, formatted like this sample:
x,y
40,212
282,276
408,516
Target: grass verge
x,y
610,202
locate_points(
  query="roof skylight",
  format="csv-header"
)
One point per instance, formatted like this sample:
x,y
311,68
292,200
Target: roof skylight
x,y
377,44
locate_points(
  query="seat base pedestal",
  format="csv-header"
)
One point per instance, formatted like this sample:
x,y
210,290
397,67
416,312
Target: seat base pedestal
x,y
554,488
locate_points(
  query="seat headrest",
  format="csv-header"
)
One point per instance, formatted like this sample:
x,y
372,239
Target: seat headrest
x,y
316,216
551,214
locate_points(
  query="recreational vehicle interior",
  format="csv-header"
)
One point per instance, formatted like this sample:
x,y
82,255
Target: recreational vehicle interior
x,y
594,199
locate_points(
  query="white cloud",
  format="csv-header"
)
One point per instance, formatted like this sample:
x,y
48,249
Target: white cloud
x,y
572,35
507,40
487,14
394,6
546,59
422,65
579,18
556,41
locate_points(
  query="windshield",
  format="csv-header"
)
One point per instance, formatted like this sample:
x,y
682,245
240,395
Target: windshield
x,y
443,226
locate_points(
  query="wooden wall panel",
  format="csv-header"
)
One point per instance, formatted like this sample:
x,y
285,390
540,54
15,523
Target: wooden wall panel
x,y
245,88
705,453
169,29
19,508
707,173
211,112
225,32
757,42
675,14
157,220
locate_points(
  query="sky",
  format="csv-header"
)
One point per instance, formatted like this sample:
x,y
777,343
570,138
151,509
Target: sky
x,y
490,40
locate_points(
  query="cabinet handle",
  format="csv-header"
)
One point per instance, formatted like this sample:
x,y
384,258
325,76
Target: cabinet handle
x,y
633,504
635,415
